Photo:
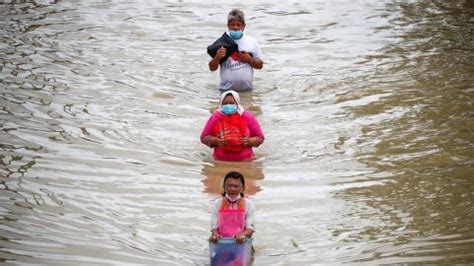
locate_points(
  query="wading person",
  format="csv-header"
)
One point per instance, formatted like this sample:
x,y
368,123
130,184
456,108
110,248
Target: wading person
x,y
231,130
232,217
236,53
233,200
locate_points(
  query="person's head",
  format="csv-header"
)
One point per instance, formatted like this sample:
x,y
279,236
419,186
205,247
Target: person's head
x,y
230,103
236,23
234,184
229,99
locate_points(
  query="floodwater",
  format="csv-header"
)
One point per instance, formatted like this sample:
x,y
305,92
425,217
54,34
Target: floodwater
x,y
367,109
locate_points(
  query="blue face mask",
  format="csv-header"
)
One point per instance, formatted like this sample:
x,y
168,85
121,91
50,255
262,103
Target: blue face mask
x,y
236,34
229,109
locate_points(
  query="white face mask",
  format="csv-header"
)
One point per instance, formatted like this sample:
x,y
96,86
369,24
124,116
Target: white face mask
x,y
232,199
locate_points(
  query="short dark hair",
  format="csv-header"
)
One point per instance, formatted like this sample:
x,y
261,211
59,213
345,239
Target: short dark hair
x,y
234,175
236,14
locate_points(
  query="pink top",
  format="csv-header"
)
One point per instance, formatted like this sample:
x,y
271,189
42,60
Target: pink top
x,y
253,130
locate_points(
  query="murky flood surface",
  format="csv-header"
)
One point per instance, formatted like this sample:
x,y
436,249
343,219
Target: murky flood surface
x,y
367,109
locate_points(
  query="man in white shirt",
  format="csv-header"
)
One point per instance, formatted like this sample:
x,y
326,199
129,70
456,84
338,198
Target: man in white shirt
x,y
236,71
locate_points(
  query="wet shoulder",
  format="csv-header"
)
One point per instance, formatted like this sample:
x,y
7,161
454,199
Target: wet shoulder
x,y
248,203
248,115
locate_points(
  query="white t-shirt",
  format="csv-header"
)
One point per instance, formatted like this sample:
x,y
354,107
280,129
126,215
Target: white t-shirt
x,y
237,75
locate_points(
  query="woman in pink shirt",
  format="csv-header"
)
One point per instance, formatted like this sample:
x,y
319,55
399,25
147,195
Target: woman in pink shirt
x,y
231,130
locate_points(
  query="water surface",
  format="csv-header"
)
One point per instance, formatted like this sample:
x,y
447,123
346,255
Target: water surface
x,y
366,108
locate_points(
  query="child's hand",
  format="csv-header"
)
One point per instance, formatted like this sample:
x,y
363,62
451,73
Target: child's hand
x,y
240,238
214,238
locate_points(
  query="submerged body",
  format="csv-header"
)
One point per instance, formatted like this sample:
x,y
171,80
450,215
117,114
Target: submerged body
x,y
232,131
232,224
221,152
237,56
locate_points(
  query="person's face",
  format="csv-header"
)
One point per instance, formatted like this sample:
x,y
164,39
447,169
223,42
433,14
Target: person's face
x,y
235,25
233,187
229,99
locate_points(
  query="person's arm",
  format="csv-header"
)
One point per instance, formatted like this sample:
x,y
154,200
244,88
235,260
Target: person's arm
x,y
214,62
214,228
256,63
247,233
207,134
207,137
256,136
257,57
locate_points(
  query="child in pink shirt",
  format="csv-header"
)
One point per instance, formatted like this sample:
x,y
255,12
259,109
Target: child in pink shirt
x,y
231,130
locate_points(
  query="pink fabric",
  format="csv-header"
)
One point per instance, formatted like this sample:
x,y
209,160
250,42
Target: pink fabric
x,y
253,130
231,222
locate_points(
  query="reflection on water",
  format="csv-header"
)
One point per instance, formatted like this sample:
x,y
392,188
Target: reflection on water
x,y
366,109
215,171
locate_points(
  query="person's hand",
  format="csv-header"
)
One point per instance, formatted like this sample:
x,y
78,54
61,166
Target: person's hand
x,y
214,238
249,142
218,142
240,238
245,141
220,53
245,57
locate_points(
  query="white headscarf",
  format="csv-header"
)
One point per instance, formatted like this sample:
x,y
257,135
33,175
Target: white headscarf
x,y
240,108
